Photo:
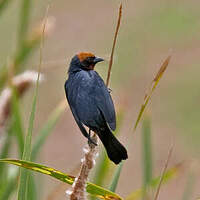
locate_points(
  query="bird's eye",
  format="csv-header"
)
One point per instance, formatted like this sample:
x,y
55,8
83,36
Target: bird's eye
x,y
88,61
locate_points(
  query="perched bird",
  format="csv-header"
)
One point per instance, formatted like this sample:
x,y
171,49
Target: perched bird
x,y
92,105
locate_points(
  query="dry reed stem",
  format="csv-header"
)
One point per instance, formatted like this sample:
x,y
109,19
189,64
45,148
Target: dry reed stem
x,y
42,29
114,43
88,162
79,186
163,172
151,89
58,191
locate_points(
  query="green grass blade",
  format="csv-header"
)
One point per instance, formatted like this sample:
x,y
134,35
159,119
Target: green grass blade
x,y
146,149
152,88
24,21
102,169
23,185
10,187
46,130
24,175
3,170
6,146
3,4
17,122
104,163
91,188
116,176
117,173
20,58
11,184
163,173
169,174
23,53
32,191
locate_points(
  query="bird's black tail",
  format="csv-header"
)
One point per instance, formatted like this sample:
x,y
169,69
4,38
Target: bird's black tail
x,y
115,150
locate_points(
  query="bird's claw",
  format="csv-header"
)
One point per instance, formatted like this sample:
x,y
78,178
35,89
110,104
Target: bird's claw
x,y
91,141
109,90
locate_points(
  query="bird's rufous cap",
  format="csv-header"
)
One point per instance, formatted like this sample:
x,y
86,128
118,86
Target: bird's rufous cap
x,y
83,55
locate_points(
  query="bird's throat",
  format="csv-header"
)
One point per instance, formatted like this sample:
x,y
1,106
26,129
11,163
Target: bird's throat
x,y
91,67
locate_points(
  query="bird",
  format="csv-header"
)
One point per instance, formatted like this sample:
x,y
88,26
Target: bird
x,y
91,104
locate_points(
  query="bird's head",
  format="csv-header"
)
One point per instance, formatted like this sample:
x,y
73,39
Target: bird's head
x,y
85,61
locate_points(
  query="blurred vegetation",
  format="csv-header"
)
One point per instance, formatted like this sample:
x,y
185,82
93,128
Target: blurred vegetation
x,y
143,39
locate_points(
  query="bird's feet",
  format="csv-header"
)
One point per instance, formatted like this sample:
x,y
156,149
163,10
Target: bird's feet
x,y
91,141
109,90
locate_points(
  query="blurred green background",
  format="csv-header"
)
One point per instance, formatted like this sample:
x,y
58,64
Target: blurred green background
x,y
150,31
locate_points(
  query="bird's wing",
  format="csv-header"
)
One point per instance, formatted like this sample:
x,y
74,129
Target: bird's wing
x,y
88,99
80,125
105,104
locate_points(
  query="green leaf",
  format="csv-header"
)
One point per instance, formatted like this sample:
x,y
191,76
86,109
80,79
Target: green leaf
x,y
11,183
3,170
102,169
169,174
116,176
46,130
24,21
146,149
24,175
152,88
32,191
6,146
10,187
17,122
91,188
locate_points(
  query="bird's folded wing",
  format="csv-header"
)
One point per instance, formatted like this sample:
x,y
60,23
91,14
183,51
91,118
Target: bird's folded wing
x,y
105,105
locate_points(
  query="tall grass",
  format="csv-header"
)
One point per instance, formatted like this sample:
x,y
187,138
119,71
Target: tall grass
x,y
146,154
14,132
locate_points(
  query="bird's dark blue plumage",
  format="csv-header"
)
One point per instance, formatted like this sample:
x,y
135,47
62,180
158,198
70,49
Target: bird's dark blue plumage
x,y
91,103
92,98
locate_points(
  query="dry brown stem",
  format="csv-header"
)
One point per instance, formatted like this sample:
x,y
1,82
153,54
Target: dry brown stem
x,y
88,162
163,172
114,43
79,186
42,29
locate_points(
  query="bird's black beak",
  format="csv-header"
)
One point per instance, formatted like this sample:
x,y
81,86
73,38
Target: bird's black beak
x,y
96,60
